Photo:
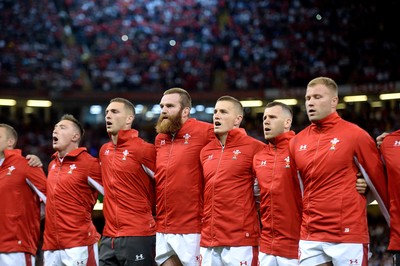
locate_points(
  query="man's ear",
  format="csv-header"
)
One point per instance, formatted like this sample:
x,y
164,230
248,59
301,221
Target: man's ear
x,y
238,120
11,142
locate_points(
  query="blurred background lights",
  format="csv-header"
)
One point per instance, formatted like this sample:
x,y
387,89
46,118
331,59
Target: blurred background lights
x,y
124,37
318,17
95,109
172,42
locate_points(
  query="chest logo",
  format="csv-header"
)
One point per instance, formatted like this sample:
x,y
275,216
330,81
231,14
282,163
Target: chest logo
x,y
71,168
186,137
333,144
263,163
210,157
106,152
125,153
287,161
235,154
396,143
10,169
162,142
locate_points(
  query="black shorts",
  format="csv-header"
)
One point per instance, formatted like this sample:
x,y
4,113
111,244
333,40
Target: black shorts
x,y
127,251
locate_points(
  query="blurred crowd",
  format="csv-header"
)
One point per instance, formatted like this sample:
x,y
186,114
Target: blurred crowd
x,y
202,45
198,44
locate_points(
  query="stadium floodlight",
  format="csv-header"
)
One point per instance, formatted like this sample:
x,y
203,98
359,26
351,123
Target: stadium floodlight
x,y
389,96
8,102
39,103
355,98
251,103
287,101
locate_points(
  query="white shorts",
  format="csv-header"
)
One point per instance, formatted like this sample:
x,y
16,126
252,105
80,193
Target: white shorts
x,y
80,256
185,246
17,258
314,252
229,256
271,260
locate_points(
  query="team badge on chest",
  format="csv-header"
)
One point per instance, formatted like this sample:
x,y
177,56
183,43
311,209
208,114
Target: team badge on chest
x,y
333,144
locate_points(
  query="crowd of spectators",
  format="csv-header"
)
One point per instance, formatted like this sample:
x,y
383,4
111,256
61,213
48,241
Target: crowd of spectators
x,y
198,44
202,45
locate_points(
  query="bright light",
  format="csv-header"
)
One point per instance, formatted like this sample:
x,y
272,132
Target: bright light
x,y
156,109
252,103
200,108
139,108
210,110
341,106
192,111
355,98
38,103
376,104
287,101
124,37
8,102
95,110
172,42
389,96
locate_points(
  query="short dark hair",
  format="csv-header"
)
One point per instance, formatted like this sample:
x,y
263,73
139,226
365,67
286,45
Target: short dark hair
x,y
284,106
71,118
128,104
238,105
186,100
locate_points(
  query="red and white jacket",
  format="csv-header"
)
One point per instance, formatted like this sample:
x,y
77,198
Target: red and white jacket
x,y
328,154
129,192
179,178
390,150
230,217
280,198
70,201
20,206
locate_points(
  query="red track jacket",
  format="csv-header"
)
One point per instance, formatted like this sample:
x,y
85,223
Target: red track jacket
x,y
128,190
230,216
179,178
19,204
390,150
70,201
280,198
325,154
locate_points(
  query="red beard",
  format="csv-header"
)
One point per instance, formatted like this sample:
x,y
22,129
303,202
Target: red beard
x,y
169,125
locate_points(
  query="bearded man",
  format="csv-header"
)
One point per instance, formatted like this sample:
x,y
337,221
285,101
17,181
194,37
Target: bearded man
x,y
179,180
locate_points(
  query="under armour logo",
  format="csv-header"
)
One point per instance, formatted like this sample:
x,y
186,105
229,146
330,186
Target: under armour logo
x,y
354,262
396,143
80,262
162,142
210,157
107,152
263,163
71,168
243,263
303,148
10,169
139,257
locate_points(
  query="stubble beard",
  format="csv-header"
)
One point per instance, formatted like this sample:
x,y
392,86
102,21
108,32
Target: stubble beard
x,y
170,125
